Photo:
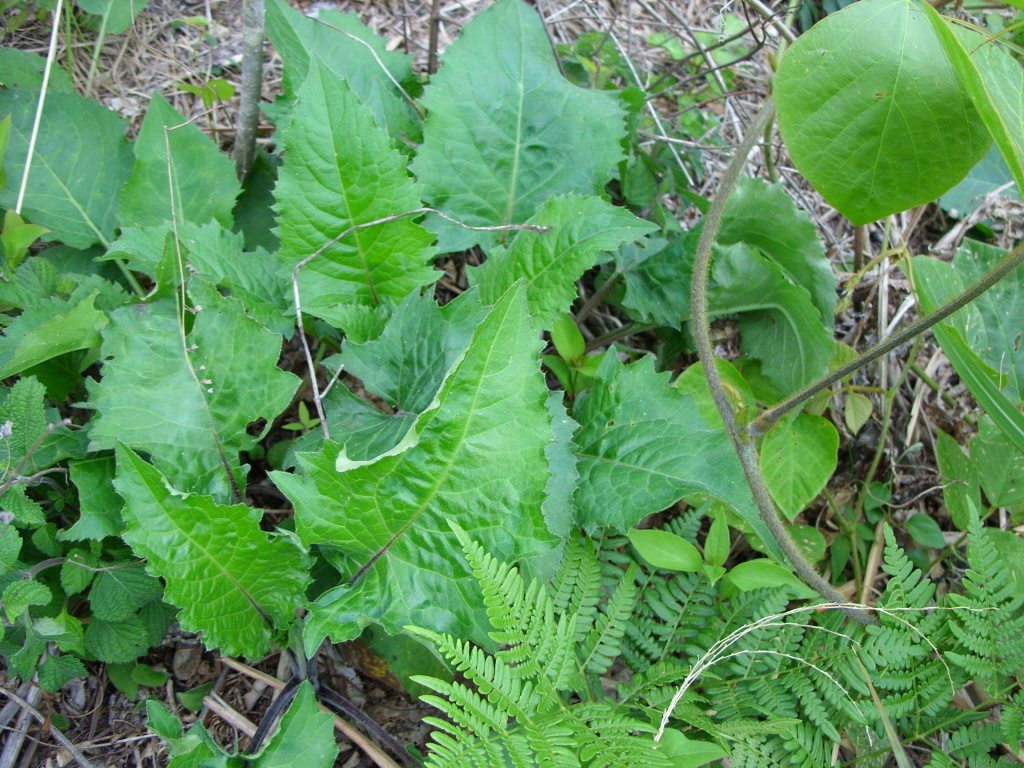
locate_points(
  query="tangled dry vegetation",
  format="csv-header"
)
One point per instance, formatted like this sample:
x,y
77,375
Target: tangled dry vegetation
x,y
176,42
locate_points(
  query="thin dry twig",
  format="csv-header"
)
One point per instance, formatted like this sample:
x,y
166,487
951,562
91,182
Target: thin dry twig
x,y
63,740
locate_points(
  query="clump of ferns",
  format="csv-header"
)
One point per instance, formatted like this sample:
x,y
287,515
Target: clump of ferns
x,y
539,701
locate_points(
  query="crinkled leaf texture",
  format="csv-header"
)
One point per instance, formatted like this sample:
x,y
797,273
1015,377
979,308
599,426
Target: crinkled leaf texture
x,y
341,170
348,48
182,424
873,112
477,456
205,185
551,262
505,131
230,579
643,445
81,161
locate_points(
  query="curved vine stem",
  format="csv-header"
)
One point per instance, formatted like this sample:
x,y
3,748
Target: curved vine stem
x,y
769,418
701,331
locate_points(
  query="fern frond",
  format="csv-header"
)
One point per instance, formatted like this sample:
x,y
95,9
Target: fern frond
x,y
601,646
990,623
804,746
907,588
974,741
1012,722
573,588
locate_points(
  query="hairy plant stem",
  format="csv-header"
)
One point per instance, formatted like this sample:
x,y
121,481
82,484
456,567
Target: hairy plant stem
x,y
769,418
252,82
702,335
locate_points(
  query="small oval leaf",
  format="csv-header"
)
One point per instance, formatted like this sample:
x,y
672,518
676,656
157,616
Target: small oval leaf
x,y
666,550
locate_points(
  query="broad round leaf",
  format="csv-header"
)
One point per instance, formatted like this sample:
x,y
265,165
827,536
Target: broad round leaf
x,y
872,111
797,459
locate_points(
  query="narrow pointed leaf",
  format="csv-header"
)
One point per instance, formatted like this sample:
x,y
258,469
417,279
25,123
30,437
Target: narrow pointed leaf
x,y
231,580
176,420
552,262
205,186
506,131
340,170
82,160
477,457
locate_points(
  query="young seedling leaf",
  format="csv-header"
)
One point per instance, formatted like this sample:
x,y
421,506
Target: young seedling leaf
x,y
231,580
506,132
874,112
476,457
341,170
665,550
82,160
305,736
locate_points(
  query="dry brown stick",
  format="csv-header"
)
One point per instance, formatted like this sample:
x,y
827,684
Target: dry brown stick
x,y
63,740
372,750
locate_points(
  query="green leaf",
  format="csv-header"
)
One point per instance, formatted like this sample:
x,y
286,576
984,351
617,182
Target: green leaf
x,y
99,504
231,580
925,531
183,425
476,457
666,550
1000,468
658,282
797,459
329,182
161,720
205,186
552,262
81,162
21,69
117,14
857,411
56,671
692,382
764,217
351,51
761,574
999,338
936,282
873,111
17,236
643,446
44,332
566,337
779,323
10,546
117,642
193,698
24,409
305,736
506,132
961,483
690,753
559,511
119,592
993,81
19,595
716,545
1010,549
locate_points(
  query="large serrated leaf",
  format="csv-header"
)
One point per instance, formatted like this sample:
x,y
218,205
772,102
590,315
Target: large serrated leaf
x,y
643,445
506,131
349,49
205,186
476,457
873,112
231,581
184,425
340,170
552,262
81,161
778,321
